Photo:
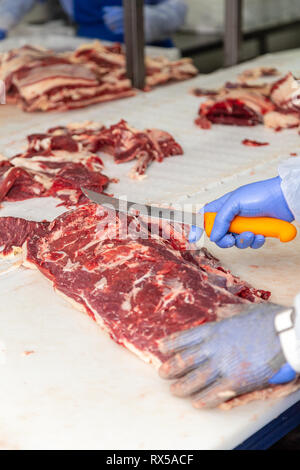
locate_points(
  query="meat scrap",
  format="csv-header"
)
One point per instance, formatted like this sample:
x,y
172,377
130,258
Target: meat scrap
x,y
38,79
51,165
257,72
17,182
276,105
125,143
137,286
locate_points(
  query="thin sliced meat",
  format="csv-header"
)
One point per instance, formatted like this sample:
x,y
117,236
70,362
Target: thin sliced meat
x,y
16,184
257,72
52,165
122,141
41,80
159,70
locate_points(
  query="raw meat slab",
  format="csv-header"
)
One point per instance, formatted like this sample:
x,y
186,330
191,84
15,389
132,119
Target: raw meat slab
x,y
138,285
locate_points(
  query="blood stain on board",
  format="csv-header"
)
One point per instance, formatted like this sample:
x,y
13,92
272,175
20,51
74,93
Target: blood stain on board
x,y
254,143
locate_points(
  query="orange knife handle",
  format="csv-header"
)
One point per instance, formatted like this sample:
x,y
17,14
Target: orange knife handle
x,y
267,226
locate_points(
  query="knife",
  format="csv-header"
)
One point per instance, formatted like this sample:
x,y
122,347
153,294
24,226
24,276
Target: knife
x,y
267,226
135,209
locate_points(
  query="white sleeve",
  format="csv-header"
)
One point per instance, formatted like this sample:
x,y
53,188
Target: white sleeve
x,y
12,11
164,19
287,324
289,172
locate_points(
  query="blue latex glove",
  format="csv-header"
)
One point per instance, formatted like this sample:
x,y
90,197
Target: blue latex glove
x,y
2,34
114,19
261,199
220,360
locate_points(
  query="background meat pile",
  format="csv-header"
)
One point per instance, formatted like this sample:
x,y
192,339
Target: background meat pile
x,y
41,80
276,105
61,161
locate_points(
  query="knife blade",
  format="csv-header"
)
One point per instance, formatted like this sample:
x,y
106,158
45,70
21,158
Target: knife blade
x,y
135,209
267,226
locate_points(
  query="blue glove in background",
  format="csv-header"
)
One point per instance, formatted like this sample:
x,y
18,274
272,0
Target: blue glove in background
x,y
260,199
114,19
2,34
162,18
217,361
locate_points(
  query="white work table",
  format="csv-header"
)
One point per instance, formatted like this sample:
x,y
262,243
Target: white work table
x,y
66,384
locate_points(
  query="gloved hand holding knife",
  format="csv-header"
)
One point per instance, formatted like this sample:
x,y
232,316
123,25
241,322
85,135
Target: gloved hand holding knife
x,y
261,199
260,346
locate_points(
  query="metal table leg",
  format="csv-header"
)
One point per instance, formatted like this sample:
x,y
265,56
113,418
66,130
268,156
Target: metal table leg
x,y
134,41
232,34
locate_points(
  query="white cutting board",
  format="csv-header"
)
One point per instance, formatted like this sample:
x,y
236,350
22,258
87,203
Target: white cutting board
x,y
64,383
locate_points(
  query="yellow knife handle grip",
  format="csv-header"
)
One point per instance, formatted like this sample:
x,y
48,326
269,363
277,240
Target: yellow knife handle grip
x,y
267,226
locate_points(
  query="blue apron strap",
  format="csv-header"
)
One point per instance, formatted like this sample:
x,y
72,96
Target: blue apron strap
x,y
88,11
88,14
